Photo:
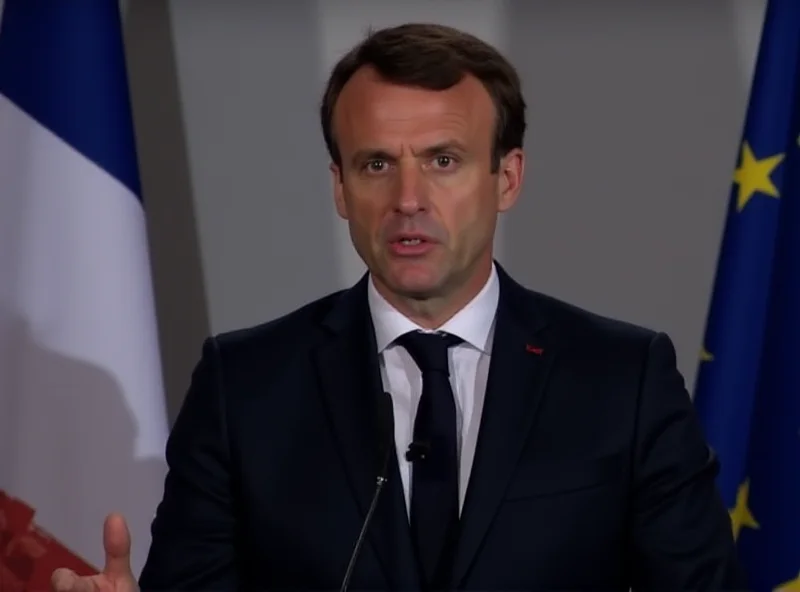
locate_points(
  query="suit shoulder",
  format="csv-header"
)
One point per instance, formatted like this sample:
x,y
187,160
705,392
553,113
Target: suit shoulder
x,y
290,328
605,345
585,326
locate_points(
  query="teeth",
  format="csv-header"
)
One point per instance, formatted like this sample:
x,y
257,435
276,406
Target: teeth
x,y
411,241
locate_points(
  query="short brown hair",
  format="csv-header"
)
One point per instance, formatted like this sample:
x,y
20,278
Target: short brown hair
x,y
434,57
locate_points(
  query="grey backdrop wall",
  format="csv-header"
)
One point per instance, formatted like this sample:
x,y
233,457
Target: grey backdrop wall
x,y
635,114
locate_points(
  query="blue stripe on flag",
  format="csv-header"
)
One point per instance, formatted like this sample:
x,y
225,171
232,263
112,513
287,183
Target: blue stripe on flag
x,y
63,63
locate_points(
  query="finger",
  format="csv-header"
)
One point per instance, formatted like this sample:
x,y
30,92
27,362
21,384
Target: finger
x,y
63,580
117,545
66,580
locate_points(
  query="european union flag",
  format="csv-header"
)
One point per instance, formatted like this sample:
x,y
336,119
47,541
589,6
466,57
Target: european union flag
x,y
748,387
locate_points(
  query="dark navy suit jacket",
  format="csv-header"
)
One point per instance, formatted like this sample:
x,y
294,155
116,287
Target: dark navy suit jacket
x,y
591,471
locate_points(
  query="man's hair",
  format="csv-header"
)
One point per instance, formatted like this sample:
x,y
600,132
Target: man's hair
x,y
433,57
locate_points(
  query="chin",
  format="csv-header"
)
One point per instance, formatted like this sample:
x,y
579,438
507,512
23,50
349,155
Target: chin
x,y
418,288
412,279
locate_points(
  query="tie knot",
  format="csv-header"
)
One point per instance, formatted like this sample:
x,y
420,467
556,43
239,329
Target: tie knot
x,y
429,350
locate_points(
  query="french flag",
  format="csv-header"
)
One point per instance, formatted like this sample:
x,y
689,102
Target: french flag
x,y
82,412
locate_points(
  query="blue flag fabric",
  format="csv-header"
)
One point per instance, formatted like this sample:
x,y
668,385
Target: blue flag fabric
x,y
748,387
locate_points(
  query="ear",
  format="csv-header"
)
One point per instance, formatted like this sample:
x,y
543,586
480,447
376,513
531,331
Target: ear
x,y
509,179
338,190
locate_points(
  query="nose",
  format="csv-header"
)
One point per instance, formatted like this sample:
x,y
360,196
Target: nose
x,y
410,192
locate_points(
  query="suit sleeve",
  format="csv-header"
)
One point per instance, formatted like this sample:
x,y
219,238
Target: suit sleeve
x,y
681,530
193,532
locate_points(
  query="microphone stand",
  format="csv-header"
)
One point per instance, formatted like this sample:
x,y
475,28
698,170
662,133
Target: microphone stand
x,y
363,534
386,418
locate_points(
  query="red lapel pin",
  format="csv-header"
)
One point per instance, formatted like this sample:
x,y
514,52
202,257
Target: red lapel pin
x,y
534,350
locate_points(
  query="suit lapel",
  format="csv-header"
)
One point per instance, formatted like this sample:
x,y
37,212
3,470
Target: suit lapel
x,y
522,355
351,385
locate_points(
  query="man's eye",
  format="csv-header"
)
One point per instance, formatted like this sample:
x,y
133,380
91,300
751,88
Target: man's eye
x,y
444,161
376,166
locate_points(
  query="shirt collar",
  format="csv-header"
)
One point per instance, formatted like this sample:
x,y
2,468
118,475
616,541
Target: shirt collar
x,y
473,323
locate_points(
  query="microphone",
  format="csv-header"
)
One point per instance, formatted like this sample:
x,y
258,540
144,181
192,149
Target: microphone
x,y
386,431
417,451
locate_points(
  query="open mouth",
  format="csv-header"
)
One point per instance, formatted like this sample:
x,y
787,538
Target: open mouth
x,y
414,246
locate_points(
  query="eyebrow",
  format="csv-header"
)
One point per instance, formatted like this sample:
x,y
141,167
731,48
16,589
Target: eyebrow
x,y
374,153
447,146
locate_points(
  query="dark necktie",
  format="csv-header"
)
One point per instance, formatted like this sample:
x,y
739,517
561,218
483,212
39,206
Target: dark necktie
x,y
434,491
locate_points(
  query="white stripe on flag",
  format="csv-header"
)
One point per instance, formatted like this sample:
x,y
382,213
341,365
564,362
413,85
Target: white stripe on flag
x,y
83,422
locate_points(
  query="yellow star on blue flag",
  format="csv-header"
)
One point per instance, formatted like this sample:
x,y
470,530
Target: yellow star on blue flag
x,y
748,392
753,175
792,585
741,516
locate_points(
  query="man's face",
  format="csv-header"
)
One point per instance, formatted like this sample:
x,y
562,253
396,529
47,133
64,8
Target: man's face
x,y
416,186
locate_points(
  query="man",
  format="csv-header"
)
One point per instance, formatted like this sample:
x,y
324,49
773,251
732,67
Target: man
x,y
561,453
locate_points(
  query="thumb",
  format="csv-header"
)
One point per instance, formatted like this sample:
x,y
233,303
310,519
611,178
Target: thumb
x,y
117,545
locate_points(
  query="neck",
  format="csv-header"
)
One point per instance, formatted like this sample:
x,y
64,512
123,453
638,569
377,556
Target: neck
x,y
433,312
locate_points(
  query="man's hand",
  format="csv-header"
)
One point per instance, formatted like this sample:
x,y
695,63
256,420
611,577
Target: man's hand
x,y
116,575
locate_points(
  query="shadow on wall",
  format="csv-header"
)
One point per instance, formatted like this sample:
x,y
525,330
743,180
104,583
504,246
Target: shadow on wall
x,y
57,411
632,137
172,232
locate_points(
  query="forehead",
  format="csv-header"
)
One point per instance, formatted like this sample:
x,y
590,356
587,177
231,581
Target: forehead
x,y
370,109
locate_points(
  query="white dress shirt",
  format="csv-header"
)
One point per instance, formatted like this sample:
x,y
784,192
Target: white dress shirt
x,y
469,369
